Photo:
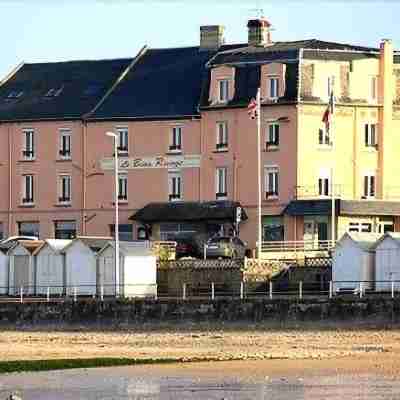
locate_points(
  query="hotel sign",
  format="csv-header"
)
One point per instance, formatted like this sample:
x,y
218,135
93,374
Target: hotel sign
x,y
170,162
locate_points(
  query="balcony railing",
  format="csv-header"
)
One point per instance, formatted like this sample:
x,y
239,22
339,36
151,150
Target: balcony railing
x,y
297,246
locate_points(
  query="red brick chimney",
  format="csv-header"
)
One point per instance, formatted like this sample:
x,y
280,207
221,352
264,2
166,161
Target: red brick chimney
x,y
259,32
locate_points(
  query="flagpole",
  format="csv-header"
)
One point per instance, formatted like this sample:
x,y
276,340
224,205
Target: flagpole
x,y
259,174
331,128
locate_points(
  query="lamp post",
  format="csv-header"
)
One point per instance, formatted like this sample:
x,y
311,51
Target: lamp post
x,y
116,227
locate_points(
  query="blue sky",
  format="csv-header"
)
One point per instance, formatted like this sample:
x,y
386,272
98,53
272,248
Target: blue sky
x,y
53,30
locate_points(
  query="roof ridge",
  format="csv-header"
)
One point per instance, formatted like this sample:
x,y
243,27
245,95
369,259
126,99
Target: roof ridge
x,y
78,61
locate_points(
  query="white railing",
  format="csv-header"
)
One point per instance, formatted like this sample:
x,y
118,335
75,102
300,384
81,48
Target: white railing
x,y
297,246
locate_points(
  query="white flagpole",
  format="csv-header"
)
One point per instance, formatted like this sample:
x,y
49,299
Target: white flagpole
x,y
259,174
333,216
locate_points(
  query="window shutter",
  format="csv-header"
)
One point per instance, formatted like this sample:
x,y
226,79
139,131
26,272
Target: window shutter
x,y
372,189
366,134
366,186
277,127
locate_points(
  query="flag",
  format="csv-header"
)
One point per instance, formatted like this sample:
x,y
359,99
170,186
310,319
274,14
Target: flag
x,y
327,117
252,108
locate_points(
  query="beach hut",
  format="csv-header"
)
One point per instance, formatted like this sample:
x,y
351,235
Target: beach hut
x,y
22,267
50,266
354,261
81,264
4,269
387,260
137,270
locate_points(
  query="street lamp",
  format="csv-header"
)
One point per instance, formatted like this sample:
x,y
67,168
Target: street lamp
x,y
116,228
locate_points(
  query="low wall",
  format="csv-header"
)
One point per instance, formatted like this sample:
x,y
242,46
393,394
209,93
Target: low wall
x,y
140,312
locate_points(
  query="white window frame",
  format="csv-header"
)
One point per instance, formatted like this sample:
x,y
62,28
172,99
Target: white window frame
x,y
371,135
223,90
123,140
221,135
176,139
28,187
326,138
65,153
273,87
360,227
64,192
28,152
221,183
175,186
272,135
271,182
122,188
324,183
369,185
373,89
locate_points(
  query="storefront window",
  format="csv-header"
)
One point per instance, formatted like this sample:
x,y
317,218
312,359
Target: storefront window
x,y
65,229
169,231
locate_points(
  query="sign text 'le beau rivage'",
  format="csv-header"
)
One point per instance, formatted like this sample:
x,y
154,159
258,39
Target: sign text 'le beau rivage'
x,y
170,162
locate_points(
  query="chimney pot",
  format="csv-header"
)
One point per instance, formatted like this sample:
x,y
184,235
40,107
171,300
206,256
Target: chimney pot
x,y
259,32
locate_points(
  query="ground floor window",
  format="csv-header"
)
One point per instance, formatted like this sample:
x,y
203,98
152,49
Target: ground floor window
x,y
360,227
315,228
125,232
64,229
28,229
169,231
273,229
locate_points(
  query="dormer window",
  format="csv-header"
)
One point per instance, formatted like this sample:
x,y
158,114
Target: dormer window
x,y
54,92
223,93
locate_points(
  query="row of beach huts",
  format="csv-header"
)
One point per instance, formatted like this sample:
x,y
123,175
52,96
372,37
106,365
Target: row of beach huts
x,y
82,266
369,259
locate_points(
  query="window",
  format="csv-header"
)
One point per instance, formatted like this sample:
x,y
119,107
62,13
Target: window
x,y
65,144
122,188
273,86
64,189
220,184
122,140
271,182
272,136
174,186
125,232
370,134
28,152
369,186
64,229
324,187
170,231
373,89
324,138
176,139
222,135
223,95
359,227
28,229
1,231
27,190
273,229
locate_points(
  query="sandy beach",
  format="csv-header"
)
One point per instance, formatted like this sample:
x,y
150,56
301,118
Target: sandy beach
x,y
362,348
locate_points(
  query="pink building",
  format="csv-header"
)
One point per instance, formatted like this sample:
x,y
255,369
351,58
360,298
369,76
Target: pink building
x,y
187,147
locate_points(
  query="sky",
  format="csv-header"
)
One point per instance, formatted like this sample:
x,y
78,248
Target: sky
x,y
57,30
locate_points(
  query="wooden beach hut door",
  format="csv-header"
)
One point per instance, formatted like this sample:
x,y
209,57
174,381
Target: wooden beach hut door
x,y
21,273
107,275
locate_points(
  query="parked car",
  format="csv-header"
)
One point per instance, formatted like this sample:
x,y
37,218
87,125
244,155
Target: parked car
x,y
185,247
225,247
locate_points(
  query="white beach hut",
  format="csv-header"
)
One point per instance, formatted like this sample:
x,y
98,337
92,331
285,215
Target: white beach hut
x,y
50,266
354,261
4,270
81,264
137,273
387,260
22,267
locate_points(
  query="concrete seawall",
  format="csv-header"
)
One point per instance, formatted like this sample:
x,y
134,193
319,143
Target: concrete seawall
x,y
115,313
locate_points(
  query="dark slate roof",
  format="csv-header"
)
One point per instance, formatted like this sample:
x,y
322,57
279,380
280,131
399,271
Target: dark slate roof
x,y
368,207
280,51
337,55
83,84
188,211
164,83
311,207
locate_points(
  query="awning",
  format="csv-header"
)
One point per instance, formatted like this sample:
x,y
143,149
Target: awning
x,y
210,211
342,207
